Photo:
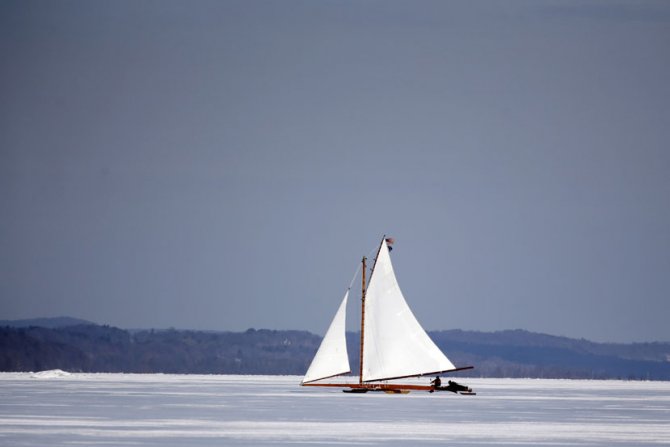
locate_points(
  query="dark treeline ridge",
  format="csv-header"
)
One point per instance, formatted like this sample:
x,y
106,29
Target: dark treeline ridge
x,y
95,348
92,348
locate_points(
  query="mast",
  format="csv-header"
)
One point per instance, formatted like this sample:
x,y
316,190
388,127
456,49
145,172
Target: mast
x,y
360,371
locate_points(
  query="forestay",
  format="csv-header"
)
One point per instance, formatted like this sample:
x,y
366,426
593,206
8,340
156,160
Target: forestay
x,y
331,359
395,344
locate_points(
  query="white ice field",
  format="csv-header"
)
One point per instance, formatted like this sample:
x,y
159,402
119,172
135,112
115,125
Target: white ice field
x,y
52,409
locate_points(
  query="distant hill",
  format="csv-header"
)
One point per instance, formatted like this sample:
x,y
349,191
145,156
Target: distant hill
x,y
94,348
52,322
518,353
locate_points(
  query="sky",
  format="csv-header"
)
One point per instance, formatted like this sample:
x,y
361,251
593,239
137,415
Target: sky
x,y
225,165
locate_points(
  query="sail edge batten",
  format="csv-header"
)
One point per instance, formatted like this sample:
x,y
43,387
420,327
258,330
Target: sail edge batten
x,y
324,378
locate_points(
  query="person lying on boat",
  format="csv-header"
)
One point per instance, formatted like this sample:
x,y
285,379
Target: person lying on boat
x,y
436,385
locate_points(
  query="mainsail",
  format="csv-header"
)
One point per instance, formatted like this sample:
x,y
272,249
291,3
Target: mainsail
x,y
331,359
395,344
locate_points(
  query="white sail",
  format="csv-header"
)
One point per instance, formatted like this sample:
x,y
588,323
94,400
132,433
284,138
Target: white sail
x,y
395,344
331,359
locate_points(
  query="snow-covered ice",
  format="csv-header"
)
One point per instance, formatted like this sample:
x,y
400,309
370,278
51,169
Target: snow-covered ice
x,y
54,409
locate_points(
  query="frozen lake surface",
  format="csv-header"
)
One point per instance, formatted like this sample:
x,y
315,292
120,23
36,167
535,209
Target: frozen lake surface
x,y
193,410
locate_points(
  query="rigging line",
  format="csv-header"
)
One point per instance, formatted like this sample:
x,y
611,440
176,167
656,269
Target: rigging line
x,y
351,284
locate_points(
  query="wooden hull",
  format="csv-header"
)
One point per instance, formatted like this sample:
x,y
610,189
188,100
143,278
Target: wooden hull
x,y
398,388
395,388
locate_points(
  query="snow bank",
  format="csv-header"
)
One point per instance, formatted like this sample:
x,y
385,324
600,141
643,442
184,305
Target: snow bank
x,y
50,374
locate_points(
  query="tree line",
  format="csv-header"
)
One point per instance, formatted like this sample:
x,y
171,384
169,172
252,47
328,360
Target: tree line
x,y
96,348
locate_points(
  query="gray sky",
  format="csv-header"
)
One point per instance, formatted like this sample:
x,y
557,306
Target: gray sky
x,y
225,165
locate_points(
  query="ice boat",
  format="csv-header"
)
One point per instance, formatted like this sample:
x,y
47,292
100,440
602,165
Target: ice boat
x,y
393,345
